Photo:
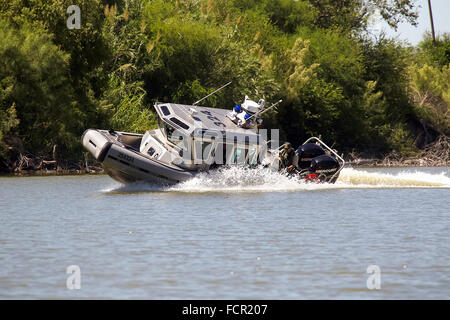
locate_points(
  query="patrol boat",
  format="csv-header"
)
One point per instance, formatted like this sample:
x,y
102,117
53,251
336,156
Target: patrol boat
x,y
192,139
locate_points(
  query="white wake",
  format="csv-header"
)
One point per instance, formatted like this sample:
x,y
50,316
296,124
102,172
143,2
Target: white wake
x,y
353,177
238,179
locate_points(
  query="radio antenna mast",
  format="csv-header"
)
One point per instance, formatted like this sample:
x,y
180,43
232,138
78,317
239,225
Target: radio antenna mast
x,y
265,110
195,103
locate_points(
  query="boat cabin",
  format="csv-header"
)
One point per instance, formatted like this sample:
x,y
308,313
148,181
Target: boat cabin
x,y
196,137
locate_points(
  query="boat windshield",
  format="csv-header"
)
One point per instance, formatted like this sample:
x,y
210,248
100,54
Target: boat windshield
x,y
168,132
253,156
222,153
239,155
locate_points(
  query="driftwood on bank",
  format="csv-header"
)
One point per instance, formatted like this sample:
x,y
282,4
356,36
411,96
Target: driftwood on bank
x,y
30,164
434,154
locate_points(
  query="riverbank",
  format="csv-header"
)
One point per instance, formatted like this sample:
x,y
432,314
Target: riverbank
x,y
436,154
40,173
358,163
53,168
19,164
392,162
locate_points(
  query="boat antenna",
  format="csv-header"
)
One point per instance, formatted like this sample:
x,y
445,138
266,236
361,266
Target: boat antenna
x,y
195,103
265,110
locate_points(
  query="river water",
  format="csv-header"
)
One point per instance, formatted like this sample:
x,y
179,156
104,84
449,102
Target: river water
x,y
235,234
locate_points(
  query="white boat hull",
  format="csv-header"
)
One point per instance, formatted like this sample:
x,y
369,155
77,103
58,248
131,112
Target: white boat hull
x,y
126,164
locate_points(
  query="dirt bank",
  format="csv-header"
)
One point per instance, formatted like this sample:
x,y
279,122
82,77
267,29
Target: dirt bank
x,y
435,154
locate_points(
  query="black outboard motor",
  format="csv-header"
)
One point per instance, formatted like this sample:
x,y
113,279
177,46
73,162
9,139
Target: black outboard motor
x,y
324,166
314,164
305,153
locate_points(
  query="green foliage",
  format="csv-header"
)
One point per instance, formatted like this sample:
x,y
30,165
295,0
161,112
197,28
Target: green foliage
x,y
354,91
400,140
129,112
323,85
298,74
8,120
34,75
197,51
386,62
353,15
287,15
376,129
429,81
430,90
436,54
339,57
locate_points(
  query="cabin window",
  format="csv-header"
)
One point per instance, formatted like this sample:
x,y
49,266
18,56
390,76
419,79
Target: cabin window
x,y
220,153
239,155
165,110
203,150
177,139
253,156
162,127
179,123
168,132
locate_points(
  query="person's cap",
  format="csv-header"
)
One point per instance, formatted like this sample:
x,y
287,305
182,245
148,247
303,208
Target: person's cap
x,y
287,145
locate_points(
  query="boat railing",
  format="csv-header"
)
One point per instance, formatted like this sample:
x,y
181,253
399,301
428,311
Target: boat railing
x,y
338,157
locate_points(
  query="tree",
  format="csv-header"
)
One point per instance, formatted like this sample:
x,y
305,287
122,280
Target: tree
x,y
437,53
353,14
34,75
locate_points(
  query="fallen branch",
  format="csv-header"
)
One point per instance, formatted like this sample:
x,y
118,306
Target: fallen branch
x,y
434,154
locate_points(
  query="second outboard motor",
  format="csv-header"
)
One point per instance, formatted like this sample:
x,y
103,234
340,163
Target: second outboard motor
x,y
324,166
305,153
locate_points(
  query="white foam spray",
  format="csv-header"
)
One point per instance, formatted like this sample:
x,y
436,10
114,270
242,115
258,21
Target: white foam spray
x,y
353,177
240,179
